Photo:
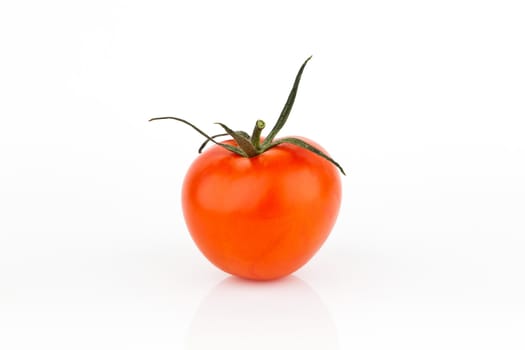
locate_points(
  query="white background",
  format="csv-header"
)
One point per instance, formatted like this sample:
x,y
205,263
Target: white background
x,y
421,101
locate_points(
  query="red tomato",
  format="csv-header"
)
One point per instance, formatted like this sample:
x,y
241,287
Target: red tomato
x,y
260,208
262,217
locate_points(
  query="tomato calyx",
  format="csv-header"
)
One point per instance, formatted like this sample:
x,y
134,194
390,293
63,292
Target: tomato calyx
x,y
250,145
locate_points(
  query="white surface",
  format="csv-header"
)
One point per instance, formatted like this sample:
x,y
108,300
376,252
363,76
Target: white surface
x,y
422,102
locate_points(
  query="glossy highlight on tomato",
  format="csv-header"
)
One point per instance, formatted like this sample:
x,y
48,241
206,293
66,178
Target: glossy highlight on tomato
x,y
260,208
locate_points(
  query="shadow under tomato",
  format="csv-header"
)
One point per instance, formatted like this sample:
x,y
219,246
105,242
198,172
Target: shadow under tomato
x,y
281,314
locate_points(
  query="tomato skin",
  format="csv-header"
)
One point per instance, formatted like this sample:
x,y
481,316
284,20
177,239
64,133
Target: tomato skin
x,y
263,217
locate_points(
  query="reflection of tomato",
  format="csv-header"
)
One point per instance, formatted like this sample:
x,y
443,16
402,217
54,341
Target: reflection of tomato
x,y
261,217
259,207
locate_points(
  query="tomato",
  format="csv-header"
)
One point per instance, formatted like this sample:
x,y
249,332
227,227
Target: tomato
x,y
260,208
262,217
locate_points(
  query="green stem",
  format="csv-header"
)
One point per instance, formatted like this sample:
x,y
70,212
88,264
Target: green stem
x,y
256,135
251,146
